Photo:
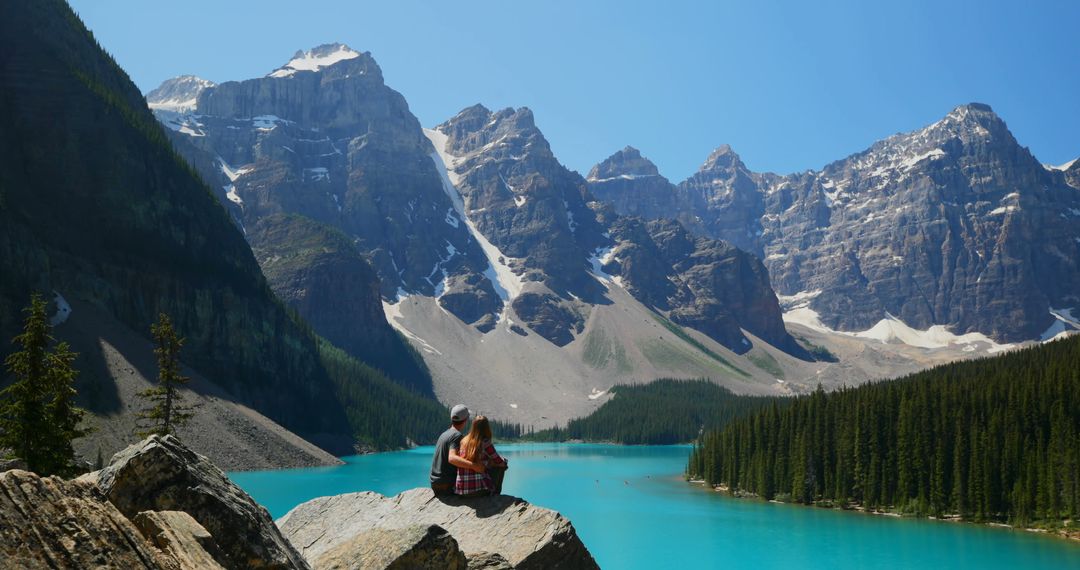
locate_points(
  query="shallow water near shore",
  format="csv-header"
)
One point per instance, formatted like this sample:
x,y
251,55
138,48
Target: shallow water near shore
x,y
633,509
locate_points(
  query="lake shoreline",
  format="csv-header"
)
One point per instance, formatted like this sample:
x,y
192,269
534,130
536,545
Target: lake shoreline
x,y
1068,533
633,509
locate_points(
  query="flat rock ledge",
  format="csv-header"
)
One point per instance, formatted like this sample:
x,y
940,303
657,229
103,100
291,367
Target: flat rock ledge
x,y
493,532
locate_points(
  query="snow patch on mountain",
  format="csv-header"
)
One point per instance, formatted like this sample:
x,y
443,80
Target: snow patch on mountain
x,y
1062,167
507,284
396,319
177,95
597,260
315,59
890,330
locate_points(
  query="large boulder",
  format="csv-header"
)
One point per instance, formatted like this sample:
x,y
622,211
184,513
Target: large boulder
x,y
527,536
420,547
46,522
160,474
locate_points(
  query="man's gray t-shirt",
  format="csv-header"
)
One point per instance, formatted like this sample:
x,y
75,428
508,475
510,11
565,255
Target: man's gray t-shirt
x,y
441,469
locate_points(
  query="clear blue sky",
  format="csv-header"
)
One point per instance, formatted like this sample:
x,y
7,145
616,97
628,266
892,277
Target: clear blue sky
x,y
790,85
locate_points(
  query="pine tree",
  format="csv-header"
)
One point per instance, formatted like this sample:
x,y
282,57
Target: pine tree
x,y
166,413
38,417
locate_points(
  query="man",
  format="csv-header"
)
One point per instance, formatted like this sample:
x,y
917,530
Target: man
x,y
446,461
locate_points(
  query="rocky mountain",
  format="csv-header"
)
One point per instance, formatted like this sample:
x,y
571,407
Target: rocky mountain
x,y
530,210
701,283
633,185
475,220
99,213
177,95
1072,172
954,226
323,137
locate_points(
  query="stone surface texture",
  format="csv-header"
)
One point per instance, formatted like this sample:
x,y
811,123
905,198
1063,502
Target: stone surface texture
x,y
527,536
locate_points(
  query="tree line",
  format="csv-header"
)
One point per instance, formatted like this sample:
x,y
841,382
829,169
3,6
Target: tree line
x,y
996,439
665,411
38,415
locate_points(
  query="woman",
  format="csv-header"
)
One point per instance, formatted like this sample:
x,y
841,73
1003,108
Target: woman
x,y
477,447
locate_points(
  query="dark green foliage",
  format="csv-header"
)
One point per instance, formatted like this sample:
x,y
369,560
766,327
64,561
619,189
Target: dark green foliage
x,y
38,419
96,204
996,439
382,414
318,272
820,353
507,430
662,412
167,412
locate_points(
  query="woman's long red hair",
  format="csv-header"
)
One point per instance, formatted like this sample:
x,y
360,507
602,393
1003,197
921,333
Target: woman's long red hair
x,y
473,443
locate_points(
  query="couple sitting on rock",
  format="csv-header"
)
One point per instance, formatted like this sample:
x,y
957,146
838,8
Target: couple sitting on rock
x,y
466,465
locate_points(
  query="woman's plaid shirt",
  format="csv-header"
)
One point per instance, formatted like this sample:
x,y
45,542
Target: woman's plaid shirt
x,y
469,481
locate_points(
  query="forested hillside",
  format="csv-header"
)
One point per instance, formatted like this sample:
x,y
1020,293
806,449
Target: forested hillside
x,y
996,439
95,205
663,412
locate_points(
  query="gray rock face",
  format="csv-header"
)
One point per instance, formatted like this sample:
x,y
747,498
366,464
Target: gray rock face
x,y
317,270
527,536
325,138
1072,174
633,185
488,561
728,192
955,224
52,523
551,317
702,283
177,95
522,199
160,474
420,547
181,538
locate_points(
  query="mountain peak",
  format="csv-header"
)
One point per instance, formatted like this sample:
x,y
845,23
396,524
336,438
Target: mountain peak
x,y
315,59
626,163
973,119
178,94
722,158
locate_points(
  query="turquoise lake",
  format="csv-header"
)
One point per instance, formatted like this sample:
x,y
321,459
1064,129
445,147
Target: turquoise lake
x,y
633,510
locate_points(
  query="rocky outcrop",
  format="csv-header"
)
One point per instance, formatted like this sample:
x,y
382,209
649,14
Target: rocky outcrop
x,y
548,315
633,185
488,561
160,506
528,537
705,284
420,547
160,474
181,538
46,522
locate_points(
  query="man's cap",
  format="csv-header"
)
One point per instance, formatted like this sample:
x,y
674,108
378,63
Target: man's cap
x,y
459,414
